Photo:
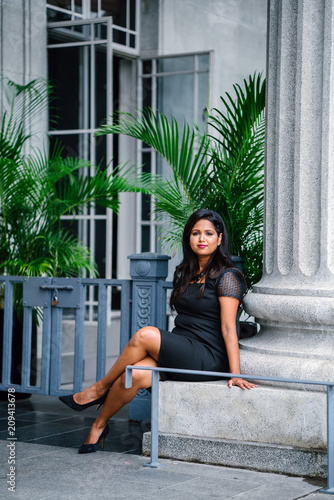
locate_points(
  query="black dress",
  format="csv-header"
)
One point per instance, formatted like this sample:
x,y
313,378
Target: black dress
x,y
196,342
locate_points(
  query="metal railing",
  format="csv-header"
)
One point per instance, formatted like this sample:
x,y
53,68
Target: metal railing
x,y
52,296
154,463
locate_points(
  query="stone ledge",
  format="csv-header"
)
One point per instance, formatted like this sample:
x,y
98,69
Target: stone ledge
x,y
269,415
257,456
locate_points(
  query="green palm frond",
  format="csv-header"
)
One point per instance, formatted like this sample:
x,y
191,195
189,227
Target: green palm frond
x,y
179,151
186,155
222,171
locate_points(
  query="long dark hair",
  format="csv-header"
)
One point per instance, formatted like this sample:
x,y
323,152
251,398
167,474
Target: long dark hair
x,y
187,269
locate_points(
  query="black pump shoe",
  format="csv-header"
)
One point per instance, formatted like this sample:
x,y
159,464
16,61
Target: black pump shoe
x,y
69,401
92,448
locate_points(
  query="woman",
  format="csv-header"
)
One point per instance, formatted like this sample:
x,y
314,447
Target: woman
x,y
207,291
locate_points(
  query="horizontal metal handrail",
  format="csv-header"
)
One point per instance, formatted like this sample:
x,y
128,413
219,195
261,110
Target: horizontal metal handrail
x,y
155,408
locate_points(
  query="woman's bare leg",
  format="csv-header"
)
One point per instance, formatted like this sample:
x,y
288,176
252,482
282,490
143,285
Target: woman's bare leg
x,y
145,342
118,396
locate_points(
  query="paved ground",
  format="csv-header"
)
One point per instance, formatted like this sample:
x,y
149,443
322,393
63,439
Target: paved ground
x,y
48,466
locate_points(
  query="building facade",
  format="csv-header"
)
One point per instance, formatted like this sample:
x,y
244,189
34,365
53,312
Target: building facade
x,y
101,56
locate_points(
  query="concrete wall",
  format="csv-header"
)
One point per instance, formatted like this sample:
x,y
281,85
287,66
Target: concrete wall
x,y
126,240
23,39
234,29
23,53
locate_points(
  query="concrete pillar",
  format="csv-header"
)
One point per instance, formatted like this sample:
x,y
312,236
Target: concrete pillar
x,y
294,301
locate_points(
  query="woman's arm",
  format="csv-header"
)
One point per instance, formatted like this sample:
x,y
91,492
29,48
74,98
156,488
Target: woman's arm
x,y
228,313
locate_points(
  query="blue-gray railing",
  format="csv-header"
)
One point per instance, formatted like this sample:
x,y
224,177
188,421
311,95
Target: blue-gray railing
x,y
39,293
143,302
154,463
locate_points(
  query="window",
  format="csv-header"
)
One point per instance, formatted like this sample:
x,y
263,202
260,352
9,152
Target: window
x,y
177,86
124,15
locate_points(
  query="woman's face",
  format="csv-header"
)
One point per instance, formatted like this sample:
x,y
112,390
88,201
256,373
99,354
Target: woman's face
x,y
204,238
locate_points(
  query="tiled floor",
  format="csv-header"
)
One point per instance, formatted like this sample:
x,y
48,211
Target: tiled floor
x,y
48,466
45,420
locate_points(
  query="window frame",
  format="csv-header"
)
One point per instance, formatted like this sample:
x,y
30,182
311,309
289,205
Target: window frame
x,y
140,223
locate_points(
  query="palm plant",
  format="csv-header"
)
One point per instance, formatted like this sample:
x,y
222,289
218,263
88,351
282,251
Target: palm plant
x,y
237,177
222,172
37,189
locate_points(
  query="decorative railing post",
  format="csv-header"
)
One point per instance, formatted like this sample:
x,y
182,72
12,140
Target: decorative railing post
x,y
146,270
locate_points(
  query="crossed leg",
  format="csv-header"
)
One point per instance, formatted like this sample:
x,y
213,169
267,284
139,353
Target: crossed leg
x,y
142,350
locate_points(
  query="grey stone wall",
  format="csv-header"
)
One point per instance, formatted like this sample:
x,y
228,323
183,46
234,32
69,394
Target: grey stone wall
x,y
23,39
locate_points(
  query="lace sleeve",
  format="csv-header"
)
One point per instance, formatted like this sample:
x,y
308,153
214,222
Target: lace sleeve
x,y
231,284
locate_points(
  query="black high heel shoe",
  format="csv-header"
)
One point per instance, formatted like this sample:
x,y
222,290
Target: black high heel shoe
x,y
91,448
69,401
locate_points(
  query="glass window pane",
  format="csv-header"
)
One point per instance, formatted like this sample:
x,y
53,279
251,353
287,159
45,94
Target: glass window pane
x,y
132,41
147,92
116,9
145,238
203,62
78,33
146,157
176,97
145,207
100,84
71,226
94,8
101,151
69,73
147,66
100,31
74,145
133,15
64,4
119,37
202,99
100,247
54,16
84,230
69,143
78,6
82,32
174,64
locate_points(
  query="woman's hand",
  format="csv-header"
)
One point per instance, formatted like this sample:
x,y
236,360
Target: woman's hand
x,y
240,382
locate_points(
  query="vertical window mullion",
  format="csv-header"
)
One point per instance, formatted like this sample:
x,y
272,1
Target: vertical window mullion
x,y
109,152
127,23
139,156
153,153
84,123
196,89
92,159
137,24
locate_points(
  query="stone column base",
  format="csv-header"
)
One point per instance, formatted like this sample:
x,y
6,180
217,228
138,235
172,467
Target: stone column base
x,y
279,429
241,454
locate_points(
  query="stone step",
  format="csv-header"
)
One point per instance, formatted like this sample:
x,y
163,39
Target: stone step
x,y
281,425
241,454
